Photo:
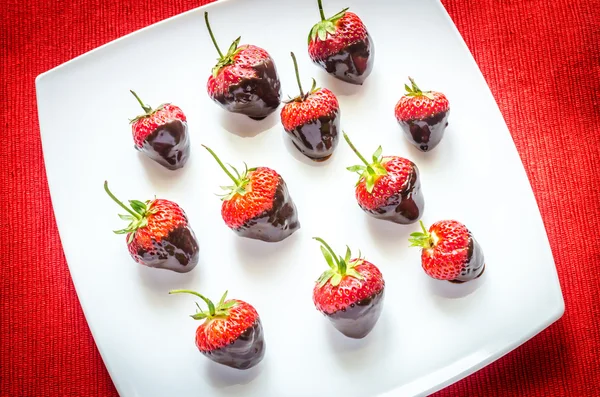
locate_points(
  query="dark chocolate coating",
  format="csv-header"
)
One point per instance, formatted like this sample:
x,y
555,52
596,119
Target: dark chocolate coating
x,y
404,207
360,318
317,139
275,224
427,133
255,97
475,263
178,251
245,352
168,145
352,64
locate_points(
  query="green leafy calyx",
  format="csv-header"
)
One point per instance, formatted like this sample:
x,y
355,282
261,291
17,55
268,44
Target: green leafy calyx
x,y
240,181
137,215
148,111
421,239
370,172
339,267
415,91
222,60
326,26
303,95
219,311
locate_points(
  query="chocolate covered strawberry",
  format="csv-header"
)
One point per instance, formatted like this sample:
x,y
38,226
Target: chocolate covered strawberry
x,y
350,293
162,134
258,205
423,116
342,46
312,120
231,333
449,251
159,234
244,80
389,187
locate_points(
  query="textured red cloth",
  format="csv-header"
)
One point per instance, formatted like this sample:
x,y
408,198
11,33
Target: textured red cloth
x,y
542,61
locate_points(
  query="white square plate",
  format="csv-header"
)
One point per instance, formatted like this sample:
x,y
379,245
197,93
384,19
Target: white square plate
x,y
429,335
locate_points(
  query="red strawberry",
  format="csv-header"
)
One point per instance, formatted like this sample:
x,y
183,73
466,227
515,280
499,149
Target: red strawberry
x,y
244,80
350,293
159,234
258,205
312,120
423,116
162,134
342,46
449,251
389,187
231,334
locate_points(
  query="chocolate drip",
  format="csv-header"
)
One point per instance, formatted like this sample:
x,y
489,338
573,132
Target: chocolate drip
x,y
475,265
245,352
255,97
275,224
318,139
178,251
168,145
427,133
404,207
353,64
360,318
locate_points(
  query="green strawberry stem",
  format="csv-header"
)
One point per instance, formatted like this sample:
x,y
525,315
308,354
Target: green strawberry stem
x,y
338,267
239,182
342,268
221,310
211,306
415,91
229,174
421,239
370,172
355,150
147,109
297,73
321,10
116,200
212,36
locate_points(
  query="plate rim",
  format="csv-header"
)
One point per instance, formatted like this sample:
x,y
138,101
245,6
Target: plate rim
x,y
456,370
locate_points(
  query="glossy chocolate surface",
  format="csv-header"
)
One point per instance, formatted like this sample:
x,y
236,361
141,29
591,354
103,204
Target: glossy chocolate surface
x,y
404,207
360,318
276,224
475,263
245,352
178,251
318,139
255,97
427,133
353,64
168,145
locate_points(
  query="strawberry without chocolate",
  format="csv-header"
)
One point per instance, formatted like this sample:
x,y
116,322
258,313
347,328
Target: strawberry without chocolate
x,y
244,80
423,116
231,334
159,234
389,187
258,204
162,134
449,251
312,120
350,293
342,46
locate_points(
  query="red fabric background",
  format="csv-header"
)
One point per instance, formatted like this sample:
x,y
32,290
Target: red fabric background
x,y
542,61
